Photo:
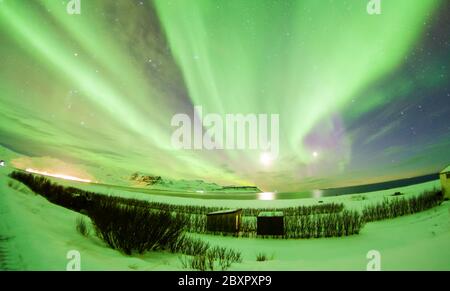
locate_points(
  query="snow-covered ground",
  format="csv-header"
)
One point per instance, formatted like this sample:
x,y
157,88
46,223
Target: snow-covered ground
x,y
40,235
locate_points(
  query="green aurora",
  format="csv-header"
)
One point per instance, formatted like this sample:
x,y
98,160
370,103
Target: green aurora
x,y
98,90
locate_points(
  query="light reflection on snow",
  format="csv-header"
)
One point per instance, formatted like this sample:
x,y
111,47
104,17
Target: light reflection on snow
x,y
62,176
266,196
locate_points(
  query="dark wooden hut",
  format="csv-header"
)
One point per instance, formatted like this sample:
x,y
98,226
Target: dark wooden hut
x,y
224,221
444,176
270,223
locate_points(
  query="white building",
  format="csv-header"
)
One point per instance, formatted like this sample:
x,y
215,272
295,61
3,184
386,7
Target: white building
x,y
2,163
444,176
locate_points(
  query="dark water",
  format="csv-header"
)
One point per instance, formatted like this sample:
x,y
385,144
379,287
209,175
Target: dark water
x,y
380,186
285,195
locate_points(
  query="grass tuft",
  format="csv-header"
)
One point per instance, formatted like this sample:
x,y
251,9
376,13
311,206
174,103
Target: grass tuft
x,y
261,257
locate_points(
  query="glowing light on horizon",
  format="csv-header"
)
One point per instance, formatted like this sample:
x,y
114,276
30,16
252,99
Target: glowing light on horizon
x,y
317,193
266,196
266,159
56,175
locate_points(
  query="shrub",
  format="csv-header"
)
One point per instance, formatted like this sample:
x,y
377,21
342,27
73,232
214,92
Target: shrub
x,y
198,262
19,187
201,256
217,256
390,208
189,246
225,256
68,197
82,226
132,228
324,225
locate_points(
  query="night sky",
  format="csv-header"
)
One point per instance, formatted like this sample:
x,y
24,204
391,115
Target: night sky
x,y
361,98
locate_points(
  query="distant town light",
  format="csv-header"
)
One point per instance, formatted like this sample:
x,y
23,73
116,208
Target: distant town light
x,y
61,176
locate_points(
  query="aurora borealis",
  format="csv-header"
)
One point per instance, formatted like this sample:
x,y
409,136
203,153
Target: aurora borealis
x,y
361,98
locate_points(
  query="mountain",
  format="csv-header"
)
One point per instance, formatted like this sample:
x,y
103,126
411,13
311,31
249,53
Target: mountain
x,y
159,183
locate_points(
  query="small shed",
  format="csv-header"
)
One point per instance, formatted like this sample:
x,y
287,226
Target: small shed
x,y
444,176
224,221
2,163
270,223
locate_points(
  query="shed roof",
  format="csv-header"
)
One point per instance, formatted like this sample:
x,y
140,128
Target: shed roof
x,y
227,211
446,170
270,214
